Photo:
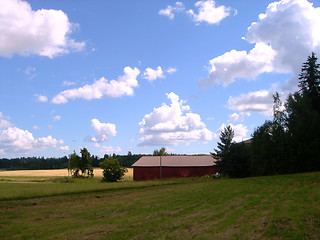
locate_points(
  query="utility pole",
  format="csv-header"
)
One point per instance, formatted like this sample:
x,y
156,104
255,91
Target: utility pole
x,y
160,167
69,169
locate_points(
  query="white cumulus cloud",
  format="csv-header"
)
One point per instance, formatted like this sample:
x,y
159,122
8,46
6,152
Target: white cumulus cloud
x,y
283,36
205,11
209,12
43,32
153,74
103,131
170,125
239,64
240,131
16,140
259,101
124,85
64,148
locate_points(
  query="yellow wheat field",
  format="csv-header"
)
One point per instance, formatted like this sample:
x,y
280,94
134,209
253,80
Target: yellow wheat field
x,y
52,173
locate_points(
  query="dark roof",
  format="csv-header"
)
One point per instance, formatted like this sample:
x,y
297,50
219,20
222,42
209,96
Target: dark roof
x,y
175,161
248,141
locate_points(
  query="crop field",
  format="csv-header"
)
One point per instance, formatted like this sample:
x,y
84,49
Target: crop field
x,y
53,173
275,207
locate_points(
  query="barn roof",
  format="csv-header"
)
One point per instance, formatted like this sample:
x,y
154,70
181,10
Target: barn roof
x,y
175,161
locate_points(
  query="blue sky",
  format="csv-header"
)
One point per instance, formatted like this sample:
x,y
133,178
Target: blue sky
x,y
119,76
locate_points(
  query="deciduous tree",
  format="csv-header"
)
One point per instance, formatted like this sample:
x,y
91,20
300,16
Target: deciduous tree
x,y
112,170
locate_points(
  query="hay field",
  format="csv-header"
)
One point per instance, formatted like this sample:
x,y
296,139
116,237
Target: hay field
x,y
284,207
53,173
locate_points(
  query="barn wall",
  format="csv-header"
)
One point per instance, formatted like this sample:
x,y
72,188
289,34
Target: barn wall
x,y
149,173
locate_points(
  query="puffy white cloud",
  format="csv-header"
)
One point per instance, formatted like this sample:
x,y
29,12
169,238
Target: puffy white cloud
x,y
209,12
170,10
240,131
4,123
115,88
168,125
153,74
239,64
103,131
15,140
64,148
56,118
259,101
41,98
283,36
42,32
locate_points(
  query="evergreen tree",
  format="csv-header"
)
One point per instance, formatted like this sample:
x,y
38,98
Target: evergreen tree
x,y
223,150
303,110
310,81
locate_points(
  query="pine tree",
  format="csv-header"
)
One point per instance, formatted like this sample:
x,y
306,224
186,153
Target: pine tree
x,y
310,81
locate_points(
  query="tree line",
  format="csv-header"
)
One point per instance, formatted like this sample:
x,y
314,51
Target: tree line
x,y
288,143
34,163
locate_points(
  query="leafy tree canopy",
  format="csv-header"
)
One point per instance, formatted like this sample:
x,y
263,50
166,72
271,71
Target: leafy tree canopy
x,y
160,152
81,164
112,170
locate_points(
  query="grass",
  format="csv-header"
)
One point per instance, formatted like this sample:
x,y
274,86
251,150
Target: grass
x,y
277,207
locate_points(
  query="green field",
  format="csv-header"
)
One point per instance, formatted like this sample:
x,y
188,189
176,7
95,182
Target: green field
x,y
276,207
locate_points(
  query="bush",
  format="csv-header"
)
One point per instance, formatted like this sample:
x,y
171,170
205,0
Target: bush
x,y
112,170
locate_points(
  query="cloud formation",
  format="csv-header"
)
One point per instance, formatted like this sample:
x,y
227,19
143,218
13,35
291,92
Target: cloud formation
x,y
283,36
240,131
103,131
168,125
15,140
170,10
123,86
41,98
4,123
259,101
107,149
171,70
64,148
206,11
209,12
153,74
43,32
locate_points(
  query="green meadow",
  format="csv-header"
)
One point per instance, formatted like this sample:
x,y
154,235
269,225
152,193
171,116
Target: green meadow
x,y
275,207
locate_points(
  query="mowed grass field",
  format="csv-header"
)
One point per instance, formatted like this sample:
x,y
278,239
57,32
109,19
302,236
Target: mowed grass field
x,y
275,207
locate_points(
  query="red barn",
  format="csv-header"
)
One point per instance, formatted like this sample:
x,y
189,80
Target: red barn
x,y
156,167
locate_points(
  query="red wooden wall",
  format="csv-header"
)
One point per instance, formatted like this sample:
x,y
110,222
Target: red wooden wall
x,y
149,173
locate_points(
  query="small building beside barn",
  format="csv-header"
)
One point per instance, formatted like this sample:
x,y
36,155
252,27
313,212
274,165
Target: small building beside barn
x,y
156,167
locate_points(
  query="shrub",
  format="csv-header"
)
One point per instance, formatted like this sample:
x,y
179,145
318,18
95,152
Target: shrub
x,y
112,170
